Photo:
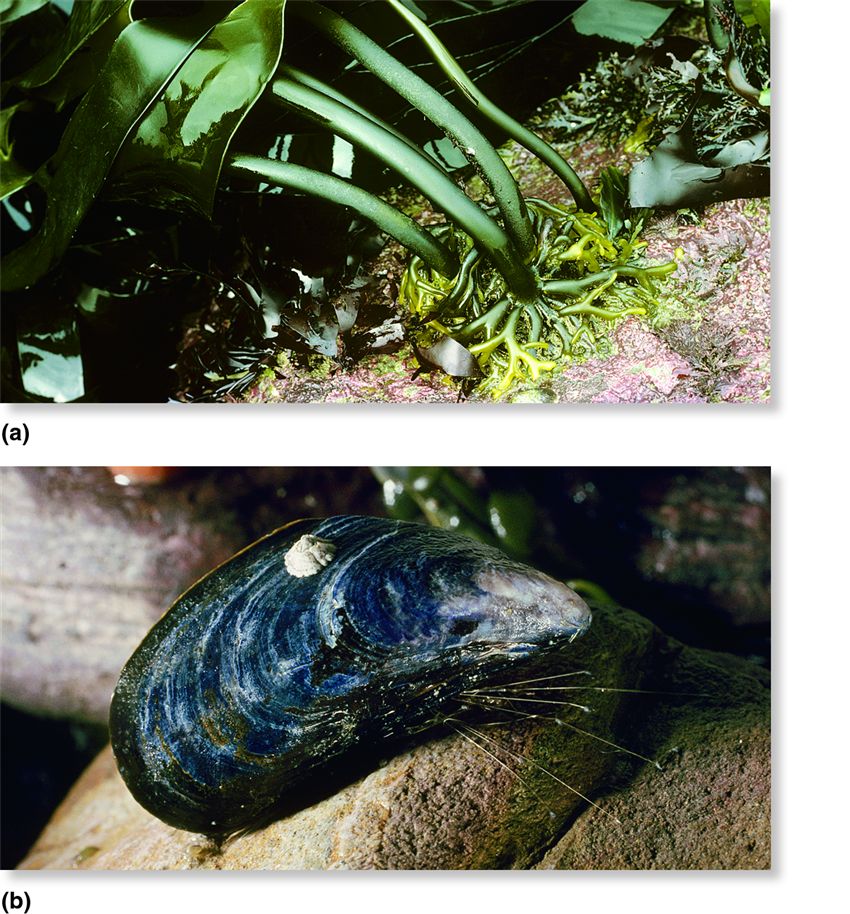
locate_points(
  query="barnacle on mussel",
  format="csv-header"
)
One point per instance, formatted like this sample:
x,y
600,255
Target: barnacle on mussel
x,y
259,678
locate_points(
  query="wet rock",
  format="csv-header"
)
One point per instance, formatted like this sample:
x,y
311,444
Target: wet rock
x,y
710,805
87,568
688,547
709,535
448,804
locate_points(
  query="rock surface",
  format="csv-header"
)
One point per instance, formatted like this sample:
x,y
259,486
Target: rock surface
x,y
710,805
448,804
687,547
708,538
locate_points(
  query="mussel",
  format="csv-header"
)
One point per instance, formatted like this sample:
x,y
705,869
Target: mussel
x,y
321,637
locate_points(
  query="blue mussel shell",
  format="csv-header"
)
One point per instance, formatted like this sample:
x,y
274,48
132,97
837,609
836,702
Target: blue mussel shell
x,y
257,680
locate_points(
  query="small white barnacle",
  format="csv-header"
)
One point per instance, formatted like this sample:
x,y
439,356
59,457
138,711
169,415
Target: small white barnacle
x,y
308,555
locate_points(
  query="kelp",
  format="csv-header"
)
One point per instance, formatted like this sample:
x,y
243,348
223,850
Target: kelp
x,y
721,150
674,175
145,56
446,498
632,22
579,262
184,138
701,110
259,299
507,291
67,70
